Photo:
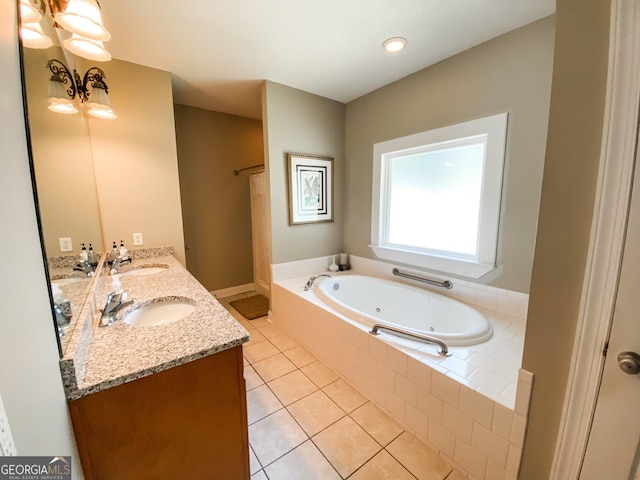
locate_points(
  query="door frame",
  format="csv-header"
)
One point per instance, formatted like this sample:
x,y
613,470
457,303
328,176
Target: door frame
x,y
611,210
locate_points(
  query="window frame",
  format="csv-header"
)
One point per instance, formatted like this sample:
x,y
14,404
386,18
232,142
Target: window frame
x,y
495,129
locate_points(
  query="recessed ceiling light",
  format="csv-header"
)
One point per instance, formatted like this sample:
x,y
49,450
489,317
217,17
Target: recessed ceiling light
x,y
394,44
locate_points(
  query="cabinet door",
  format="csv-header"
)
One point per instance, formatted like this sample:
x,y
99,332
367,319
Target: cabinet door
x,y
186,422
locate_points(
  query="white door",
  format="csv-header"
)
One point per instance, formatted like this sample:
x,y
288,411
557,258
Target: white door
x,y
613,447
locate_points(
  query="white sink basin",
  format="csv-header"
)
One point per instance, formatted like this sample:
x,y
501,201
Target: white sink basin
x,y
160,312
66,281
146,270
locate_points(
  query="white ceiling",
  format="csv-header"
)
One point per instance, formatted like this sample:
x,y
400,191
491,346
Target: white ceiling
x,y
219,51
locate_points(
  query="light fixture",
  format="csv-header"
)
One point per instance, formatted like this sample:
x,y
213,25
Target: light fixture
x,y
91,90
62,90
81,17
31,12
87,48
394,44
96,101
33,36
64,108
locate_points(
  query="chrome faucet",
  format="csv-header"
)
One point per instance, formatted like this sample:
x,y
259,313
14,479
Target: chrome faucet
x,y
84,266
313,278
117,263
63,312
115,303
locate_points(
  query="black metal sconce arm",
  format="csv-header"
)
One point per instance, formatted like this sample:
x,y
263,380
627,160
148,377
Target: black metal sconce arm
x,y
74,84
60,73
94,77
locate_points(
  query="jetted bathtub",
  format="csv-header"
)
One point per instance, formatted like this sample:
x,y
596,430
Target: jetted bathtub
x,y
372,300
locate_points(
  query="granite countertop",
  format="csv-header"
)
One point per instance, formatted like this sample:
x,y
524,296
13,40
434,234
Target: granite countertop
x,y
104,357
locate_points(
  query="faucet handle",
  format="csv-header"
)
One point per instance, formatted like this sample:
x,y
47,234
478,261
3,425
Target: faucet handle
x,y
113,298
84,266
114,295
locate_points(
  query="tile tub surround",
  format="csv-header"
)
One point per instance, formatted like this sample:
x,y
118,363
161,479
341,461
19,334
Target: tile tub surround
x,y
101,358
472,432
491,368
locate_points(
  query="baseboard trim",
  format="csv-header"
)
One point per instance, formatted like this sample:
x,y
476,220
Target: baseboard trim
x,y
227,292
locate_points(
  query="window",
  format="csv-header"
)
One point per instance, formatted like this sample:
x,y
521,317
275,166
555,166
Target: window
x,y
436,197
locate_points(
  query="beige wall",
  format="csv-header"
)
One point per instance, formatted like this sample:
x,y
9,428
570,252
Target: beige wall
x,y
299,122
63,163
215,203
511,73
566,208
30,382
135,159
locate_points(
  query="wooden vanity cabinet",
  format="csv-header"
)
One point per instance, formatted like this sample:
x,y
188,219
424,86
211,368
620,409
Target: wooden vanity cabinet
x,y
187,422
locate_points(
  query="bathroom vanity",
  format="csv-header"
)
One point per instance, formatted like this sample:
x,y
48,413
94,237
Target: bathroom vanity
x,y
189,421
159,400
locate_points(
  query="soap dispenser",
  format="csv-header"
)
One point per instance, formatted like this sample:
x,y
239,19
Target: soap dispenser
x,y
334,266
114,252
91,257
84,256
124,253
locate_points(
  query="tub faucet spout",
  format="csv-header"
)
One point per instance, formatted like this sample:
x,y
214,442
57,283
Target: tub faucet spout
x,y
313,278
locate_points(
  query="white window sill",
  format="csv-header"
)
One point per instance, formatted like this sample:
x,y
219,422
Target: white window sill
x,y
452,266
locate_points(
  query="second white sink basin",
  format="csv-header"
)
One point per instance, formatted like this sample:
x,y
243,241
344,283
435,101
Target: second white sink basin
x,y
66,280
146,270
160,312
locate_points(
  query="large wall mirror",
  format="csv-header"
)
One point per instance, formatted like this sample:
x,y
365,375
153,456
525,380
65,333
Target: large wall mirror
x,y
99,180
65,181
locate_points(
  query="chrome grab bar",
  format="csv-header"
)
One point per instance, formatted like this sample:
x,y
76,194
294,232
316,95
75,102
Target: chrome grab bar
x,y
444,350
445,284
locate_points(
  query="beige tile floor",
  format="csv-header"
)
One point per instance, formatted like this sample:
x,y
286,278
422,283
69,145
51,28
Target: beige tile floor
x,y
305,422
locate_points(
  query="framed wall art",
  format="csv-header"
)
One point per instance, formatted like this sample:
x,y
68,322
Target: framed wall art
x,y
310,188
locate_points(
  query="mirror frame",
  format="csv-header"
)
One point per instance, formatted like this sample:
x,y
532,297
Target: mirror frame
x,y
34,184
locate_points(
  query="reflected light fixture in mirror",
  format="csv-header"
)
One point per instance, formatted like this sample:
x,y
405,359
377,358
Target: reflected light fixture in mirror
x,y
61,89
33,36
91,90
31,12
87,48
98,105
81,18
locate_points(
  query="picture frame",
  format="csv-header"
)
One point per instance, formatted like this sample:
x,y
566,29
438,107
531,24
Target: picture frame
x,y
310,188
